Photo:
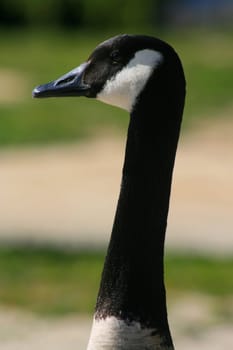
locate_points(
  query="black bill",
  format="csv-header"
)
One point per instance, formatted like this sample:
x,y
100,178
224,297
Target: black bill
x,y
70,84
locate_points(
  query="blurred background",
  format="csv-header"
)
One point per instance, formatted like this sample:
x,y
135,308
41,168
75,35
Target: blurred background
x,y
60,170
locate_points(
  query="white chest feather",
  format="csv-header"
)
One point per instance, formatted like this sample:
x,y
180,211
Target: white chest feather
x,y
123,89
114,334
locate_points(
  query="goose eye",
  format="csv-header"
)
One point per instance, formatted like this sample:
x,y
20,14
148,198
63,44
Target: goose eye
x,y
115,56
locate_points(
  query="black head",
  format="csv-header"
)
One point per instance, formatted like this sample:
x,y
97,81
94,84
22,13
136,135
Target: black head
x,y
116,72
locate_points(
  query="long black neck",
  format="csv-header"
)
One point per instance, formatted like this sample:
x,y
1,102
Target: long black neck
x,y
132,286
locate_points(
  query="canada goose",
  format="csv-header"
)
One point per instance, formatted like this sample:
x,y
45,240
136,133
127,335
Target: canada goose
x,y
143,75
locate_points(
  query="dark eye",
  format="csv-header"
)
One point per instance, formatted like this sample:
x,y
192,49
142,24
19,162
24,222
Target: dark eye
x,y
115,56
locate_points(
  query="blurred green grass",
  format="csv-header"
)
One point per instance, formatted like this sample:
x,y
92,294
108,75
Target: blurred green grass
x,y
42,56
55,282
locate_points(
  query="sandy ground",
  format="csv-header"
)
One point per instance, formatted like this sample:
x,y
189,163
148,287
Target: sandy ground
x,y
67,194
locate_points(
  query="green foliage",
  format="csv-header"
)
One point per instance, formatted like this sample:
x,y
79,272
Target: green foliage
x,y
117,13
65,13
41,12
200,273
48,281
76,13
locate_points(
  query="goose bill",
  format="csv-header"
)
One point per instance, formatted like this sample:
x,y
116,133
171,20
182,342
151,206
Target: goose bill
x,y
70,84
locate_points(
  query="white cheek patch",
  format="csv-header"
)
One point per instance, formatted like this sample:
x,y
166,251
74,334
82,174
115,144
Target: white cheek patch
x,y
123,89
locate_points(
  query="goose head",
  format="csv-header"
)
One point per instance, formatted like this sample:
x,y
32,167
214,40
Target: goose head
x,y
116,72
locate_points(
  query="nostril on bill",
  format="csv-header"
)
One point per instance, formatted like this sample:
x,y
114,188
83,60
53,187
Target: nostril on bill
x,y
65,81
